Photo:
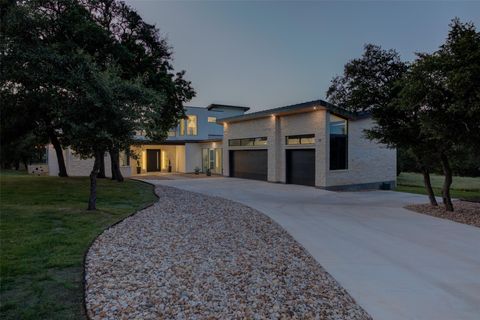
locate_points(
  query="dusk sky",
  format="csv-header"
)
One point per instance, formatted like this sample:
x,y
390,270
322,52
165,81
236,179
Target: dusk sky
x,y
270,54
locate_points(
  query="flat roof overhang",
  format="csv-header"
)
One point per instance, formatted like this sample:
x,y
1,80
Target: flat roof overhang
x,y
173,143
304,107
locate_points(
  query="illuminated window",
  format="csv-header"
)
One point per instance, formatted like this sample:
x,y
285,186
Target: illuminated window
x,y
192,126
124,157
182,127
260,141
212,119
172,133
302,139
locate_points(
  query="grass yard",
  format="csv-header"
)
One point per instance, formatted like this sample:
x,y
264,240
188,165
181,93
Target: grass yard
x,y
462,187
45,231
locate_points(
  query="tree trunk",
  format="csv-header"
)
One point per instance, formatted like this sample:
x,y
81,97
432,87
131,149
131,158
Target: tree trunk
x,y
101,165
115,157
17,165
447,171
92,200
428,186
62,169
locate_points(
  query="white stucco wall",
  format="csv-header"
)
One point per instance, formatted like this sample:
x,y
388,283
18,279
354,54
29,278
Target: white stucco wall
x,y
180,158
52,161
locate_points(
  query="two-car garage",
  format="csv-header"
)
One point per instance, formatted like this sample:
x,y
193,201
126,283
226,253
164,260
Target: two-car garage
x,y
253,164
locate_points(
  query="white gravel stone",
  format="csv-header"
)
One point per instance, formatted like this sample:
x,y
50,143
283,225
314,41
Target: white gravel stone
x,y
192,256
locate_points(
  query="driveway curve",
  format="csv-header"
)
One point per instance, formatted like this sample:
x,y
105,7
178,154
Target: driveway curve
x,y
192,256
397,264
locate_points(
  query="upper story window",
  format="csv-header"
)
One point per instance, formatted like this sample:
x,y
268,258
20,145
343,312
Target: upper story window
x,y
182,127
301,139
338,143
192,125
172,132
260,141
212,119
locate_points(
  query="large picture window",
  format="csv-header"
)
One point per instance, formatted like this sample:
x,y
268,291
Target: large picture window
x,y
192,125
338,143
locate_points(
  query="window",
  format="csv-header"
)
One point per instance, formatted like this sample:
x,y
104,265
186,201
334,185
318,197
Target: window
x,y
212,159
248,142
182,127
302,139
338,143
172,132
262,141
212,119
124,157
192,126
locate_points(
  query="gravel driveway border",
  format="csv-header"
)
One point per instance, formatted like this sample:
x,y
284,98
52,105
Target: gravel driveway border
x,y
316,289
84,260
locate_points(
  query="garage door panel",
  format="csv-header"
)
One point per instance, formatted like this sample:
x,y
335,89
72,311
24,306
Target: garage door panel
x,y
249,164
301,167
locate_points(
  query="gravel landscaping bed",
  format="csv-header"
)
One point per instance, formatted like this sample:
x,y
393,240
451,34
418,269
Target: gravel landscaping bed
x,y
464,211
192,256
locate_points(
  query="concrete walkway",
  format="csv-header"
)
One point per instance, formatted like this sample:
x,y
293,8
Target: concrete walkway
x,y
396,263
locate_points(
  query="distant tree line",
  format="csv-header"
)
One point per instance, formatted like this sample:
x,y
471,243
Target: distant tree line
x,y
84,74
428,109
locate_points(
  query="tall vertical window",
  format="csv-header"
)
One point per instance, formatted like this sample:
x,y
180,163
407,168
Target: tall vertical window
x,y
124,158
192,125
182,127
338,143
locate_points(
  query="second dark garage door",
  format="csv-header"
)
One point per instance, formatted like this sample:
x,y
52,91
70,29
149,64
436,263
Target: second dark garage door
x,y
301,166
249,164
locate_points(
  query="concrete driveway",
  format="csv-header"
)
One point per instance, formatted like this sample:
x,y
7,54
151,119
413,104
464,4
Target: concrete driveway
x,y
396,263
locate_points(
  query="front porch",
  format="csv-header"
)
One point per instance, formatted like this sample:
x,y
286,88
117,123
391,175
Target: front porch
x,y
186,157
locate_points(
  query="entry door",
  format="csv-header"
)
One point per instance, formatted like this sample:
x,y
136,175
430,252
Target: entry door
x,y
153,160
301,167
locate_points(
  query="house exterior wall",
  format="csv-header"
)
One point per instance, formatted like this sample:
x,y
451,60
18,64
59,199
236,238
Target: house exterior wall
x,y
77,166
300,124
52,161
368,161
183,151
263,127
362,153
205,130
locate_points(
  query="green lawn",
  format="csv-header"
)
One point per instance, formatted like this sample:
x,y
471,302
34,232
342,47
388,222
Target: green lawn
x,y
45,231
462,187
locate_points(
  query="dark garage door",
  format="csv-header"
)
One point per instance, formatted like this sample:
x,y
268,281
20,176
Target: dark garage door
x,y
301,167
248,164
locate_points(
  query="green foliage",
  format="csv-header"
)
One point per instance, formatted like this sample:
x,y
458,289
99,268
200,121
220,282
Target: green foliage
x,y
429,109
91,70
45,232
367,82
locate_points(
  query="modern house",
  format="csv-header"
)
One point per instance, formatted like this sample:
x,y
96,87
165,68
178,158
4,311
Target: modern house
x,y
195,143
313,143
